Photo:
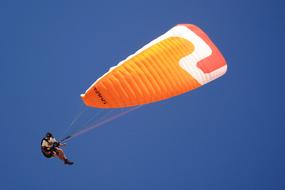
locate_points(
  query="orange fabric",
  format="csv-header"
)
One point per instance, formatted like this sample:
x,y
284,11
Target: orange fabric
x,y
152,75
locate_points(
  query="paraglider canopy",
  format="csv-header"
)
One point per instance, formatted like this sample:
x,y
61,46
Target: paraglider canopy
x,y
180,60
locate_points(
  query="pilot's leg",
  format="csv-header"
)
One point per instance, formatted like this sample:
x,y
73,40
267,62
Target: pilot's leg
x,y
60,154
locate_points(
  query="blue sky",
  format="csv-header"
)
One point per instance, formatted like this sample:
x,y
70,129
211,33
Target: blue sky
x,y
226,135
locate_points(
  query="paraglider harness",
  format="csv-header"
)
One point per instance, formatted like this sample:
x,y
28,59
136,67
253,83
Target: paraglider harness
x,y
48,152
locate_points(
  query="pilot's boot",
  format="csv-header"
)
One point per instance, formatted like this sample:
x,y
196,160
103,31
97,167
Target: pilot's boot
x,y
68,162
